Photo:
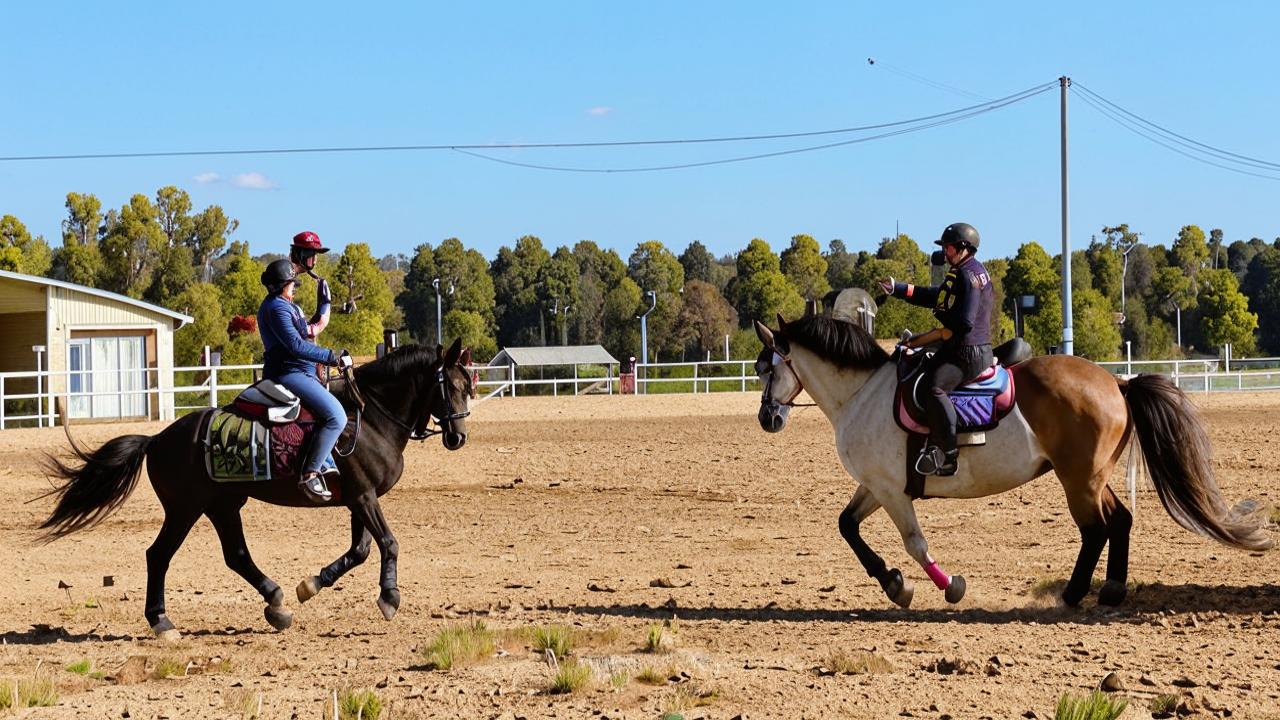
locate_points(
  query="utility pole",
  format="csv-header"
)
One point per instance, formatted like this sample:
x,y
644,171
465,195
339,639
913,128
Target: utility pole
x,y
435,283
1068,334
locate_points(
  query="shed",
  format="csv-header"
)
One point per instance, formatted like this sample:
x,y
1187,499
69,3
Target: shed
x,y
515,358
96,345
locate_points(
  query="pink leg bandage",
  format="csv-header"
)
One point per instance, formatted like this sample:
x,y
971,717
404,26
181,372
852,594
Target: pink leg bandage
x,y
939,578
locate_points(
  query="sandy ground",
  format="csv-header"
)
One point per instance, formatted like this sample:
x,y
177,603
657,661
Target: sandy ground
x,y
576,511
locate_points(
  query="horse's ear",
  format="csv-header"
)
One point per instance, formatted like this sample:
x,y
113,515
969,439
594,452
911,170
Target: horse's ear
x,y
810,307
765,334
465,358
453,353
782,324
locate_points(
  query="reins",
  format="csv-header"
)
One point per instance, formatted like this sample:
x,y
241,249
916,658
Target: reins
x,y
768,384
414,433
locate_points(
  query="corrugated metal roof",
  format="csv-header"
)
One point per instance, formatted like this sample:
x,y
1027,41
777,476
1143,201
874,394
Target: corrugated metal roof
x,y
178,317
554,355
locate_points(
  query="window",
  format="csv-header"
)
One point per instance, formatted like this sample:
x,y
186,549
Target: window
x,y
102,372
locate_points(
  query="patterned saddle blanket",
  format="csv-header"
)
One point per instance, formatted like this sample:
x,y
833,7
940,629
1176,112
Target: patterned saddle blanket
x,y
980,404
239,449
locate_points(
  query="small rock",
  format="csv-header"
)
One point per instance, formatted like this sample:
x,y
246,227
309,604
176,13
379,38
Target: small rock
x,y
1030,715
824,671
1111,683
1183,681
1145,680
827,589
789,581
596,587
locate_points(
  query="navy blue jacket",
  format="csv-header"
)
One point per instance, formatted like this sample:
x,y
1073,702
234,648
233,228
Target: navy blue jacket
x,y
286,338
962,303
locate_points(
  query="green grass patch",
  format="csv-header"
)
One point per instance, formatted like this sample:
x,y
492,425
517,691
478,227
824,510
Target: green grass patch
x,y
1097,705
857,663
168,667
359,705
689,698
619,679
80,667
243,703
1163,705
559,639
569,677
459,645
650,675
36,691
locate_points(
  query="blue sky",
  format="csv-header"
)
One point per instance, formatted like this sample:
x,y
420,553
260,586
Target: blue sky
x,y
132,77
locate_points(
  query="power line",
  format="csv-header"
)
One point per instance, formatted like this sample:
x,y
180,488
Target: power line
x,y
921,79
983,109
1169,144
512,146
1185,146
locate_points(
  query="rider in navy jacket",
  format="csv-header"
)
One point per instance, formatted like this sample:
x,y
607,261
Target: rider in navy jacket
x,y
962,303
290,360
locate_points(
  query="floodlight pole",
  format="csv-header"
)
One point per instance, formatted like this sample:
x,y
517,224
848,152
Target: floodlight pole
x,y
1068,333
644,327
435,283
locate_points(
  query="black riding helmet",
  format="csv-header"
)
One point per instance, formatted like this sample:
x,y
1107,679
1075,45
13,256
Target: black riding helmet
x,y
278,274
962,234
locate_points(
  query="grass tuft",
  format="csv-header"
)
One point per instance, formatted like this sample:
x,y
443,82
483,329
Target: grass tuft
x,y
1163,705
168,667
459,645
556,638
243,703
650,675
570,677
80,667
689,698
359,705
1097,705
619,679
660,637
37,691
859,663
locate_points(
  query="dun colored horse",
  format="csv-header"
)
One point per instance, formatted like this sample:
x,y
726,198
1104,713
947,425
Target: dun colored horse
x,y
402,392
1071,416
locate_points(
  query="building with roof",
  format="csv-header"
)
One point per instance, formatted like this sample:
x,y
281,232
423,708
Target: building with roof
x,y
108,352
577,356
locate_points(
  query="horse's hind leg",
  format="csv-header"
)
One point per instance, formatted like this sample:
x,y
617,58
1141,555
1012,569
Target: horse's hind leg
x,y
1085,500
369,511
177,523
358,552
225,517
891,581
1119,522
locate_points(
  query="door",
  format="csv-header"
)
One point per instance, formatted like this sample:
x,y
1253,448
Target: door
x,y
102,373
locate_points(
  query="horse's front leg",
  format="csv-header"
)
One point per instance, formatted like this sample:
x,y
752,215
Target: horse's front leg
x,y
367,508
903,512
355,555
894,585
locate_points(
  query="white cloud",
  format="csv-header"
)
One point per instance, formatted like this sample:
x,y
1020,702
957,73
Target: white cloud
x,y
254,181
600,110
205,178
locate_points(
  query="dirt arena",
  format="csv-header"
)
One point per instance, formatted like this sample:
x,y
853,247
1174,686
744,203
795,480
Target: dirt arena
x,y
612,515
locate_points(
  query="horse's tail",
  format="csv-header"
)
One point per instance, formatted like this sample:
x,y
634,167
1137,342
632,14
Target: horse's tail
x,y
1176,449
96,486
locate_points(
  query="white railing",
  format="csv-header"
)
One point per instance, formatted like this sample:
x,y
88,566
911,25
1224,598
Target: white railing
x,y
202,385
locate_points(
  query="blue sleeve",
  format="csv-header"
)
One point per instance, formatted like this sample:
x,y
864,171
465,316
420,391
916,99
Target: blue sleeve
x,y
321,309
916,294
279,322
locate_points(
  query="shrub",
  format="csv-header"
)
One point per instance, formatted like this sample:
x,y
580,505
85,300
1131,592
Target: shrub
x,y
1097,705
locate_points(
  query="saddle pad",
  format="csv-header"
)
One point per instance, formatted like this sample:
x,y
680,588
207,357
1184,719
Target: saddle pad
x,y
238,449
979,405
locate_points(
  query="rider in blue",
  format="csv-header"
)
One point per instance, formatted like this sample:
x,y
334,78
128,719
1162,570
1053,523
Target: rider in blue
x,y
962,304
290,360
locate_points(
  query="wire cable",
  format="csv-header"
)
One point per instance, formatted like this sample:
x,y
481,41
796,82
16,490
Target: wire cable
x,y
743,158
921,79
1189,143
1161,141
515,146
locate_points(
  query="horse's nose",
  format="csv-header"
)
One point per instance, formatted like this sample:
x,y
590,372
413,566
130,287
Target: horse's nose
x,y
454,440
771,419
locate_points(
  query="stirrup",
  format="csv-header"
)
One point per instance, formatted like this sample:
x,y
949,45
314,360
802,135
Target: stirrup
x,y
313,486
934,461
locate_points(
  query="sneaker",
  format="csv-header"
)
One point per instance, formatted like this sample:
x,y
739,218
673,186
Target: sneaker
x,y
313,486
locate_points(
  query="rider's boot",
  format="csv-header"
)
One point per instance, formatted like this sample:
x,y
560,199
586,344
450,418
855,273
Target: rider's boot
x,y
950,463
329,469
313,486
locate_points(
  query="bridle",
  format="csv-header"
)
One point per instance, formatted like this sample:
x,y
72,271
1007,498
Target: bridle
x,y
765,395
420,429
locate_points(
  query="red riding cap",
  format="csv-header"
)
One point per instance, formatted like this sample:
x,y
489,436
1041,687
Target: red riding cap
x,y
309,241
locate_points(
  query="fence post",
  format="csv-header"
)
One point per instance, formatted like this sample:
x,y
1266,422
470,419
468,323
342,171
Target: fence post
x,y
1,402
695,378
742,373
213,387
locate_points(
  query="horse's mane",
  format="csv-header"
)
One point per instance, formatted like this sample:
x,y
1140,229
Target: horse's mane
x,y
397,364
840,341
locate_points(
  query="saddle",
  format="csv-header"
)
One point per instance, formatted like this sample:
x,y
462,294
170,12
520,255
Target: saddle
x,y
979,403
263,435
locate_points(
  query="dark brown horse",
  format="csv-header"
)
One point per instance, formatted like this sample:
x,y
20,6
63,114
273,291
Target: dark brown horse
x,y
401,392
1071,416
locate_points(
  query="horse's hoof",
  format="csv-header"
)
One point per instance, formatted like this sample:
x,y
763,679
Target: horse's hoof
x,y
308,588
164,629
1112,593
955,590
279,617
898,589
389,602
1072,596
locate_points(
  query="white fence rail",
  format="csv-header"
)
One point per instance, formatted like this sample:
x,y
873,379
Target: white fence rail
x,y
196,388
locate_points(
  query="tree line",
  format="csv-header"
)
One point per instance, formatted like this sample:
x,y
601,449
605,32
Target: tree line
x,y
1192,296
